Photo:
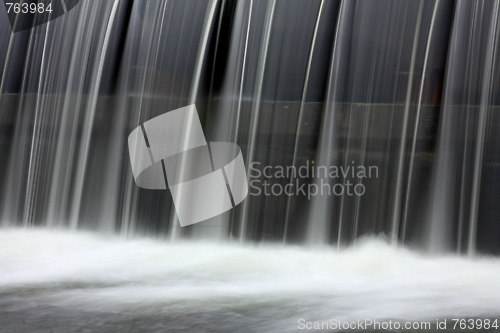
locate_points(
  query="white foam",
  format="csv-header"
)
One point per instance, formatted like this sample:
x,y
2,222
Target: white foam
x,y
373,280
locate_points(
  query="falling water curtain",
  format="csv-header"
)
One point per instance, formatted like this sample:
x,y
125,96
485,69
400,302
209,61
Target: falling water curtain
x,y
411,87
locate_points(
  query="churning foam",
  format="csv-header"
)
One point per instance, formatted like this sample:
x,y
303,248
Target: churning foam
x,y
372,280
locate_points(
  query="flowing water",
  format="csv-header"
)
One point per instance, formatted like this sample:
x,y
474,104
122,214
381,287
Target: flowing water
x,y
110,284
408,88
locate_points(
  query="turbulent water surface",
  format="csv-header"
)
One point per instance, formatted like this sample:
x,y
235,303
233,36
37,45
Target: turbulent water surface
x,y
75,281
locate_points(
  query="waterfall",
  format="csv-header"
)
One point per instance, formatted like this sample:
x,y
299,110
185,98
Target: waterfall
x,y
249,165
408,88
456,178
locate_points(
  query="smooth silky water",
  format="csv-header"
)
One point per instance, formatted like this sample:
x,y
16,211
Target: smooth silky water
x,y
66,281
409,87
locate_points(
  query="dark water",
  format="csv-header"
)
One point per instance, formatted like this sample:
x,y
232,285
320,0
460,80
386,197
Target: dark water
x,y
411,88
